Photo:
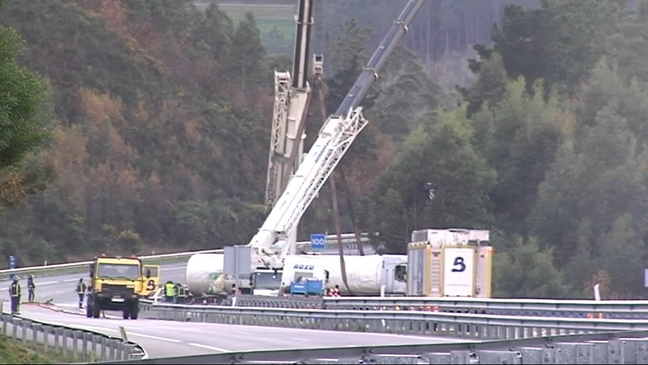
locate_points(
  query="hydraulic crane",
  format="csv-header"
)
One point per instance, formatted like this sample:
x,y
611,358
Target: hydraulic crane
x,y
292,99
334,139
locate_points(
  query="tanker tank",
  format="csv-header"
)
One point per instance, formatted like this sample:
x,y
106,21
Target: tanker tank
x,y
203,274
365,274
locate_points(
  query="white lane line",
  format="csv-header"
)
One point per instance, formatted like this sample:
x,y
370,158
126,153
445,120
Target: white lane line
x,y
70,280
300,339
207,347
152,337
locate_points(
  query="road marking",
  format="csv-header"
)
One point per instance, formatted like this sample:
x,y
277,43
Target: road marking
x,y
152,337
69,280
301,339
207,347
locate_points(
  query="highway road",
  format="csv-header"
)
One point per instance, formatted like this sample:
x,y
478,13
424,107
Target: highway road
x,y
164,339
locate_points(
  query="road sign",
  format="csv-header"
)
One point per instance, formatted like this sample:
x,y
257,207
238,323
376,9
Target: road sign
x,y
459,272
237,260
318,240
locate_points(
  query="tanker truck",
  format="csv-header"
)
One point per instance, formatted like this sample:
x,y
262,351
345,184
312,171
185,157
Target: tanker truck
x,y
205,278
366,275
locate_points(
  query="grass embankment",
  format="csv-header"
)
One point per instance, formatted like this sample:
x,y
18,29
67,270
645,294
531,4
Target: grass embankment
x,y
14,353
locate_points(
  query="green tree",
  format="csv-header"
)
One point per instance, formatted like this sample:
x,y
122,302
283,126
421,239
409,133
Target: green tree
x,y
443,155
23,119
519,136
599,177
526,270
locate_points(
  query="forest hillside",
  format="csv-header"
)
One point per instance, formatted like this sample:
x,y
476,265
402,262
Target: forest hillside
x,y
141,125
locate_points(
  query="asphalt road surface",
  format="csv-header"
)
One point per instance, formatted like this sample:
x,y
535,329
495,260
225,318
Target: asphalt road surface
x,y
164,339
60,289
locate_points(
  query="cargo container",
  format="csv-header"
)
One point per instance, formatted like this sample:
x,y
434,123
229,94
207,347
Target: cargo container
x,y
449,263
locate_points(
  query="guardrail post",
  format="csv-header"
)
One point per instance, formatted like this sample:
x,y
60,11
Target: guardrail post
x,y
45,338
75,345
85,337
14,328
64,341
112,345
23,336
57,339
35,329
102,343
4,324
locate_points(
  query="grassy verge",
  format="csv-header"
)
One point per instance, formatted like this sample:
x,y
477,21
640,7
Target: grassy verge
x,y
14,353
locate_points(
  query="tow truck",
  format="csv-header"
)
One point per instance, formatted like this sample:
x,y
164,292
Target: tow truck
x,y
116,284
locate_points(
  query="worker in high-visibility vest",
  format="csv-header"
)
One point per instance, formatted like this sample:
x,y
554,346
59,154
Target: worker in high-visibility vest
x,y
169,291
14,294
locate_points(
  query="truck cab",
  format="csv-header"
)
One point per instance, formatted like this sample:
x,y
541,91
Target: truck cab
x,y
266,282
116,284
304,279
153,282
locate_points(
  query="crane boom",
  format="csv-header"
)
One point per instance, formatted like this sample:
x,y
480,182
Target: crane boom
x,y
291,100
334,139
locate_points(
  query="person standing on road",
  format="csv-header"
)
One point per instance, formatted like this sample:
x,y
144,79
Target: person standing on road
x,y
80,290
14,293
169,290
31,287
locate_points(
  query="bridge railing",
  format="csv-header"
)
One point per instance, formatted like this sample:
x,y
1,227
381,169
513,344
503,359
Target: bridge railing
x,y
610,309
456,325
603,348
68,344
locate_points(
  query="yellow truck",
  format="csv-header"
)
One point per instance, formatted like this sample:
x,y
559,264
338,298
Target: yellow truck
x,y
116,283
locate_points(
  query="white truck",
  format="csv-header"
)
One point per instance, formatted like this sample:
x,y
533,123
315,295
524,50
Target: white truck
x,y
373,275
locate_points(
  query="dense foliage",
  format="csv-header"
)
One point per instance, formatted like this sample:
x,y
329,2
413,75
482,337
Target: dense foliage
x,y
161,118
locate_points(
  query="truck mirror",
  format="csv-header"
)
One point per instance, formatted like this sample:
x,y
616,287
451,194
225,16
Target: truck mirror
x,y
148,273
91,273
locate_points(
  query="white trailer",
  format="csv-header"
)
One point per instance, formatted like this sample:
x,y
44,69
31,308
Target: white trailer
x,y
366,275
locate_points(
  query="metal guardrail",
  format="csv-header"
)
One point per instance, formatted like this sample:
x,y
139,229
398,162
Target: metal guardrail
x,y
75,267
611,309
602,348
456,325
75,344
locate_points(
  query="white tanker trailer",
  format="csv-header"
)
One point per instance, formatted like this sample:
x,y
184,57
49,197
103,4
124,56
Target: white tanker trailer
x,y
366,275
204,275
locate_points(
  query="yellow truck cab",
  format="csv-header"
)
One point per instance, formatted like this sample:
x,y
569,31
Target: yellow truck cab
x,y
116,284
